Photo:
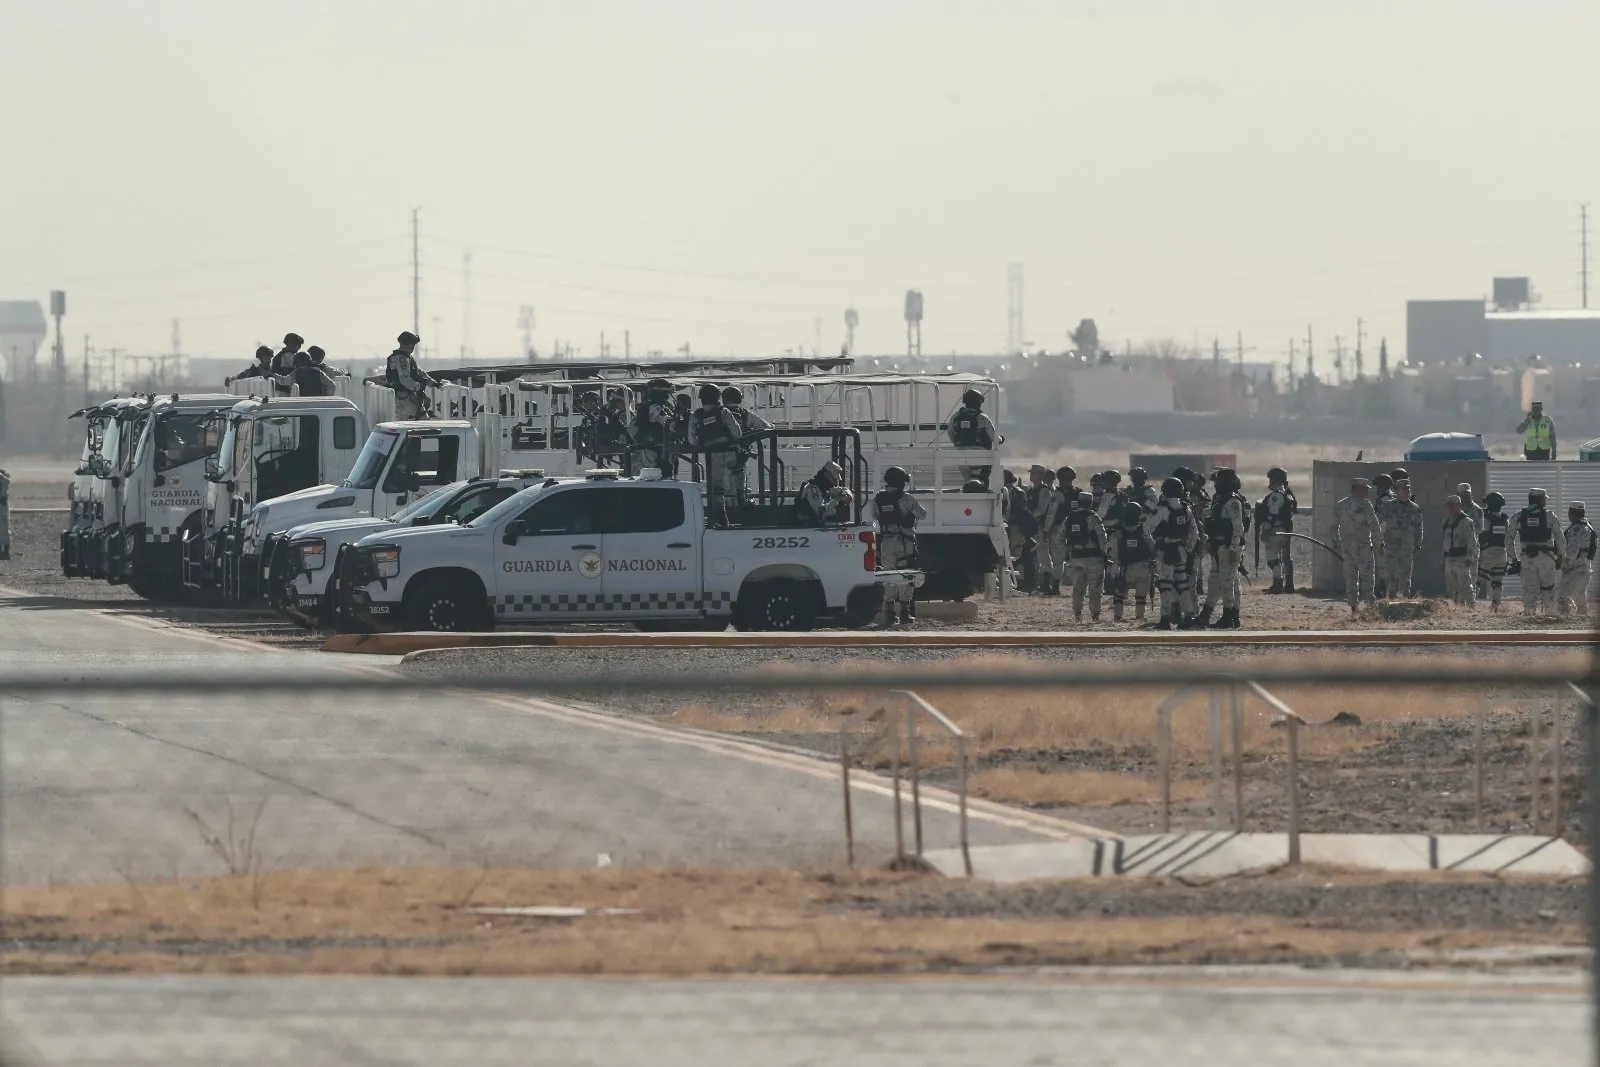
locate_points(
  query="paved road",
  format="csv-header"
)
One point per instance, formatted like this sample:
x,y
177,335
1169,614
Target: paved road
x,y
570,1023
102,788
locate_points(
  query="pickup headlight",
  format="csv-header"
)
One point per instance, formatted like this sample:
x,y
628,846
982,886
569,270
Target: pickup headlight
x,y
313,554
386,560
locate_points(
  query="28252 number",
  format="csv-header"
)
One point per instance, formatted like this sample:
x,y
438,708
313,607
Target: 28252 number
x,y
780,542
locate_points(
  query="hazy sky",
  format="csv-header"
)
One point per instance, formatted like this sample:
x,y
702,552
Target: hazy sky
x,y
723,173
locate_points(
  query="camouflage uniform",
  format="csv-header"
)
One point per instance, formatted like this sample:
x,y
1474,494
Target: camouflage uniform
x,y
1278,508
1541,548
1046,552
1575,572
1084,536
1229,550
1176,534
1355,533
1460,540
1402,540
1493,536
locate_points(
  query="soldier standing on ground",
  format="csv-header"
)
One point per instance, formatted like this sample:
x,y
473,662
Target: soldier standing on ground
x,y
1046,505
1356,535
1144,494
1538,432
1019,524
1460,539
898,513
1382,493
402,374
1277,511
1401,519
1493,535
1579,565
1110,511
1175,534
1085,538
1537,554
1225,528
1134,554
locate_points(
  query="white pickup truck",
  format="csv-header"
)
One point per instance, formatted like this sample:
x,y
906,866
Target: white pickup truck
x,y
301,572
604,548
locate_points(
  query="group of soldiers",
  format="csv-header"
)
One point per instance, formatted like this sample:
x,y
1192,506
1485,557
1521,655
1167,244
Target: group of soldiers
x,y
1115,539
294,366
1379,537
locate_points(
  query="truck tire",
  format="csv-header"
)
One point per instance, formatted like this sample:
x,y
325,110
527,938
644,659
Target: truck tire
x,y
442,604
784,606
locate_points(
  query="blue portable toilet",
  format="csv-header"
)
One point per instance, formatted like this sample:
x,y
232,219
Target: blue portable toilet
x,y
1589,451
1447,447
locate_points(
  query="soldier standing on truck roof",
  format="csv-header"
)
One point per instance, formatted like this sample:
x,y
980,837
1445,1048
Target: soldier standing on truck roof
x,y
749,423
408,380
713,430
969,427
283,364
261,369
651,424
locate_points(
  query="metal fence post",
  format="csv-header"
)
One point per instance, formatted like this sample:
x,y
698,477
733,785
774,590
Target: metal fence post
x,y
1477,763
844,775
1591,720
1535,786
894,770
1293,726
1216,757
1556,806
1164,757
1236,700
961,782
916,772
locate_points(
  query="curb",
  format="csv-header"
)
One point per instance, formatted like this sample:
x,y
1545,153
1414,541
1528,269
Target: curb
x,y
397,644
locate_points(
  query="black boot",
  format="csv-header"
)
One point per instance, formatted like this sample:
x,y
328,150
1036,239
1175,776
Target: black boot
x,y
1276,586
1203,618
1164,624
1223,622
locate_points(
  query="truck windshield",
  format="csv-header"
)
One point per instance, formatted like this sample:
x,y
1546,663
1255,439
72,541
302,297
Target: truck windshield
x,y
370,463
511,505
428,505
184,438
109,442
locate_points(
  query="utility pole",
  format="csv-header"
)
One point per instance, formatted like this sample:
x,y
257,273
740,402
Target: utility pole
x,y
1291,362
1338,359
1583,224
115,352
627,344
525,322
416,278
466,305
438,336
1360,332
86,400
1216,356
1311,355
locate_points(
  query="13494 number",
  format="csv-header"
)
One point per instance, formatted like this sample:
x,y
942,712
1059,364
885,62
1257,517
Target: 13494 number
x,y
780,542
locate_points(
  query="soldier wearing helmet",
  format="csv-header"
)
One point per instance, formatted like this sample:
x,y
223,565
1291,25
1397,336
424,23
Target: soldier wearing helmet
x,y
1046,504
1173,531
749,423
1275,517
1226,523
1579,544
652,423
823,498
969,427
1358,537
1459,541
1084,540
262,368
1538,552
897,513
408,380
1403,531
282,373
1494,537
714,431
1140,490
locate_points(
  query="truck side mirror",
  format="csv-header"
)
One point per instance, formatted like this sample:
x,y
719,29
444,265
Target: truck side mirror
x,y
513,531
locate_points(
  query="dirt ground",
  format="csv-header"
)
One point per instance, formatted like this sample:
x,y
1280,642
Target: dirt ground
x,y
421,921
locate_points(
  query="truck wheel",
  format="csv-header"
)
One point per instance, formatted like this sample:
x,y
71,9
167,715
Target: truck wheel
x,y
785,606
444,606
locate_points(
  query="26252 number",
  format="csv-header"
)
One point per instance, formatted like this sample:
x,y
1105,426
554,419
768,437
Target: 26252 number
x,y
780,542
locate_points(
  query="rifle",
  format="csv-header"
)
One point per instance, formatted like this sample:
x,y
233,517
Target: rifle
x,y
1320,544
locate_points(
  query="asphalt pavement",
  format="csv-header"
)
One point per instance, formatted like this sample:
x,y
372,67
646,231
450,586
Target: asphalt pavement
x,y
1089,1020
157,784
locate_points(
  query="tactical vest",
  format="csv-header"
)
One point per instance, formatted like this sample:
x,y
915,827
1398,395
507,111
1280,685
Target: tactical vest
x,y
1449,528
891,519
1495,526
803,507
965,430
1080,535
1133,546
1219,528
1173,531
1534,529
1586,544
709,421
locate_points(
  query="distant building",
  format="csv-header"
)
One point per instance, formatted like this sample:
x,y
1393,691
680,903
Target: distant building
x,y
1506,334
22,330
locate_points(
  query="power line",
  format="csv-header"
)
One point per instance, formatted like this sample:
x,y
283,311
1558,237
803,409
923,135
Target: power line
x,y
194,268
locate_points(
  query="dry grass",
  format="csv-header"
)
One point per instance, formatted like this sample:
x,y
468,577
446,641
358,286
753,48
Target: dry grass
x,y
689,923
1041,787
1082,716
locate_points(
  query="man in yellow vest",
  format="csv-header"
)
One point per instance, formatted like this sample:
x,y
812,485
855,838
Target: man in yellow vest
x,y
1538,434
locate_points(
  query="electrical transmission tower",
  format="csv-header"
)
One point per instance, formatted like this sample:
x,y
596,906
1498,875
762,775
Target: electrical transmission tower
x,y
1015,335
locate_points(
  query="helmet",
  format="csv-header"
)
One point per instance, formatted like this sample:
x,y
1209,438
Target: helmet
x,y
1399,474
1494,501
1383,481
1172,488
1277,476
1537,496
409,338
1183,474
658,383
293,340
1195,478
1086,500
302,359
710,394
1138,475
1112,477
896,477
316,353
833,471
1066,475
263,352
733,395
1225,479
1011,477
681,400
972,398
1097,480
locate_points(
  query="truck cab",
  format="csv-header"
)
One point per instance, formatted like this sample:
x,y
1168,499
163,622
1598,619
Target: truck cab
x,y
303,567
80,512
269,448
115,419
163,491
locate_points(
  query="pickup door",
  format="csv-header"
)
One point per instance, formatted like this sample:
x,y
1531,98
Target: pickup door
x,y
612,551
